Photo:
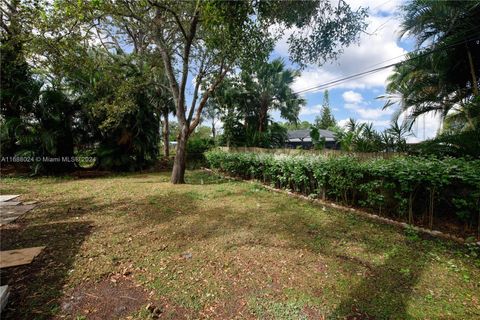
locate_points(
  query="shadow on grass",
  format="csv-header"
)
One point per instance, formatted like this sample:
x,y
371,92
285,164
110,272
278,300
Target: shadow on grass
x,y
385,290
52,211
188,214
386,286
37,288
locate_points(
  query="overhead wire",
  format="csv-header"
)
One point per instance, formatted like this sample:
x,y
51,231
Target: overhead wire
x,y
338,81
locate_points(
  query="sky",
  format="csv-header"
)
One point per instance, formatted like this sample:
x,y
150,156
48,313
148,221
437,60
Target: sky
x,y
358,98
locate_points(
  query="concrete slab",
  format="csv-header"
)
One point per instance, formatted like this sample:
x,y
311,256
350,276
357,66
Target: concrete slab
x,y
16,209
18,257
6,197
11,213
9,203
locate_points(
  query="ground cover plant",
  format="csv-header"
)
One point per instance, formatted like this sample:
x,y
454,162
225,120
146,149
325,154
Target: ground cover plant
x,y
221,249
424,191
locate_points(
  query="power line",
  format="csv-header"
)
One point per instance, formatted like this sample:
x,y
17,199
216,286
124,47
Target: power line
x,y
364,73
381,5
367,72
426,48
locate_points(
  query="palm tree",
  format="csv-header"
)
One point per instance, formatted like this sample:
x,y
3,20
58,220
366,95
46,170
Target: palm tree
x,y
269,89
160,96
398,133
418,87
367,139
443,75
353,125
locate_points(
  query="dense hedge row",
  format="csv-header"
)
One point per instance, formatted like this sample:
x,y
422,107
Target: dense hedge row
x,y
414,189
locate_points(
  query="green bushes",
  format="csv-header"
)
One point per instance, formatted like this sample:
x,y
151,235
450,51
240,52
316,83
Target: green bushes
x,y
425,191
197,146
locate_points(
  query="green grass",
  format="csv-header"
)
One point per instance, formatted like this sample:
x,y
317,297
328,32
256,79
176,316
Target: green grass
x,y
255,253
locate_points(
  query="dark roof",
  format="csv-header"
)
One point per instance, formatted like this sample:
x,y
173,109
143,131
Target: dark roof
x,y
305,133
327,134
298,134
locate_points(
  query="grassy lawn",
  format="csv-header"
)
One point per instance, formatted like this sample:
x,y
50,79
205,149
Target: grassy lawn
x,y
223,249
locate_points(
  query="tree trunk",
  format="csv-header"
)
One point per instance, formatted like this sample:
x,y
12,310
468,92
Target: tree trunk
x,y
213,130
262,117
166,134
179,164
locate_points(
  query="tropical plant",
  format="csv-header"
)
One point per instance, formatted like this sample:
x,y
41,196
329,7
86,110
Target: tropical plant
x,y
442,77
19,90
317,140
359,137
79,49
396,136
268,88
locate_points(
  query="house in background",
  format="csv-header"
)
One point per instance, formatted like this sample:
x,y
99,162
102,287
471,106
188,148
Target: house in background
x,y
301,139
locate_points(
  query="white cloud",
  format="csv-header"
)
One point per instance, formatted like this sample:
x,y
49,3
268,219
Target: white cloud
x,y
377,47
425,127
354,101
352,97
372,113
376,6
350,106
377,124
342,123
316,109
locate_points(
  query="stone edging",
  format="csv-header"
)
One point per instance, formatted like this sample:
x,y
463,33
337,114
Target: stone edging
x,y
404,225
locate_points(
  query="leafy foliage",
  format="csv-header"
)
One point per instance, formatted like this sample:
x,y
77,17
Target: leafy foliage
x,y
119,107
361,137
443,77
409,188
317,140
326,120
243,103
268,88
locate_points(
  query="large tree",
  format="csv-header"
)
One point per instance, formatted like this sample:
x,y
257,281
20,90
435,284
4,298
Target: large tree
x,y
18,88
194,40
201,39
269,88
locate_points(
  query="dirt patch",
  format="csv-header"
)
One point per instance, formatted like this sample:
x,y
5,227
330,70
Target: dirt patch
x,y
105,299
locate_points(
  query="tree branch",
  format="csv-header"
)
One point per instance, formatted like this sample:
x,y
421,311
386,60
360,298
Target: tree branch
x,y
206,95
173,13
186,59
198,80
